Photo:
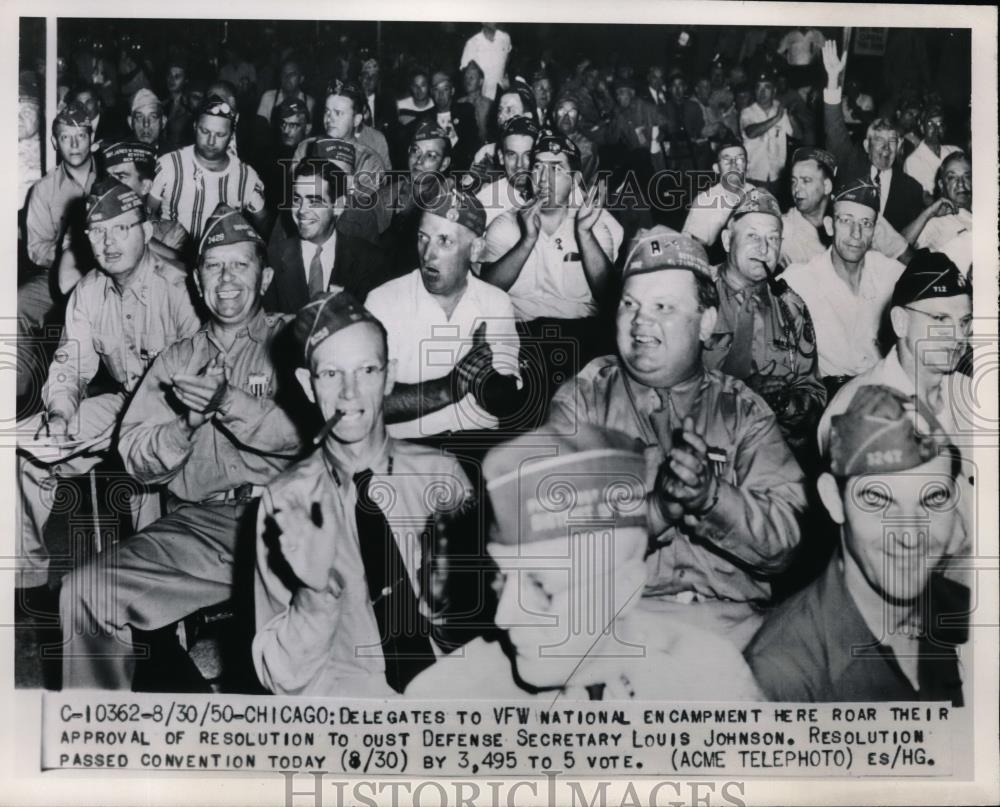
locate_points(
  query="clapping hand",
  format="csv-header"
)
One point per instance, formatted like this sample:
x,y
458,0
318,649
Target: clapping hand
x,y
473,367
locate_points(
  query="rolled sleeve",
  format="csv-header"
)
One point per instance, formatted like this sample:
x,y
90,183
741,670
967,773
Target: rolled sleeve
x,y
75,363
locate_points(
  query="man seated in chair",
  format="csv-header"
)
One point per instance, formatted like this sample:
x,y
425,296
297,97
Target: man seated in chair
x,y
205,424
120,317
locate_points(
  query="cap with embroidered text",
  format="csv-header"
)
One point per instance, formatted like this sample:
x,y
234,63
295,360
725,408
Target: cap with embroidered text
x,y
520,125
860,190
109,198
291,108
217,107
461,207
660,248
428,129
335,150
225,226
927,276
757,200
128,151
324,315
552,142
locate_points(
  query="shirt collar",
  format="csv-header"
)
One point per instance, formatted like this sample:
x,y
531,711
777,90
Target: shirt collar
x,y
139,287
68,177
343,476
757,292
256,329
843,621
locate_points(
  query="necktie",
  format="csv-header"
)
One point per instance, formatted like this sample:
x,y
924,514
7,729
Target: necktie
x,y
316,273
403,630
877,179
739,360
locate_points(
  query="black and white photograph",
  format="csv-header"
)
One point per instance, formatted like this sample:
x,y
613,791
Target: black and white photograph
x,y
590,394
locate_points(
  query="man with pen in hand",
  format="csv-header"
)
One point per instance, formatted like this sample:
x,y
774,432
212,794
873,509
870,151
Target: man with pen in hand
x,y
205,424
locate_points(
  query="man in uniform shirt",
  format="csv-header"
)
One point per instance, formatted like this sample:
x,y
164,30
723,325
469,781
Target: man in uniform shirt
x,y
192,181
341,606
452,313
570,602
808,225
513,189
711,209
880,623
725,490
204,423
847,287
120,316
764,334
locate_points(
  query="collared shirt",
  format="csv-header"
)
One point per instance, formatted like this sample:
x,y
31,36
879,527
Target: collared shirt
x,y
847,324
800,240
239,445
189,192
752,530
817,647
51,200
766,153
552,282
884,182
499,197
942,229
491,56
427,344
711,209
311,642
326,257
923,164
123,329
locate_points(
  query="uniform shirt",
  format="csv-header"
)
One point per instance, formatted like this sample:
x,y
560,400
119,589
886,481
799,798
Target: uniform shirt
x,y
326,642
490,56
923,164
752,527
710,211
189,192
228,451
51,200
426,344
499,197
800,240
125,330
817,647
846,324
766,153
942,229
552,282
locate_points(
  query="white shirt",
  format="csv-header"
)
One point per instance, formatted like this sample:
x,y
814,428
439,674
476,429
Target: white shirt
x,y
499,197
710,211
490,56
552,282
765,154
942,229
800,241
325,257
923,164
846,324
426,344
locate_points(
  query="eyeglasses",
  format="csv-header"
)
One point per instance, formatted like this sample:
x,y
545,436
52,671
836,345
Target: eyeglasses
x,y
367,374
945,320
116,231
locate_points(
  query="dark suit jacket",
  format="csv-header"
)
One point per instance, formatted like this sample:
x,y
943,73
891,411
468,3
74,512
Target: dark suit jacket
x,y
463,118
906,199
358,266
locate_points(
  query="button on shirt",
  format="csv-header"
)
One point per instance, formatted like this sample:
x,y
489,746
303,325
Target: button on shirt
x,y
766,153
326,257
51,199
426,344
125,330
800,239
846,323
752,527
552,282
311,642
711,209
923,164
227,451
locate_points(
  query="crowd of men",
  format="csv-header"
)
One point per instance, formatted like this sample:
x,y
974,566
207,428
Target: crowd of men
x,y
450,368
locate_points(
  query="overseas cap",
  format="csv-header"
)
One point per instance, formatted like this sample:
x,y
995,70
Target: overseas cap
x,y
861,190
72,114
128,151
520,125
217,107
324,315
557,143
757,201
458,205
226,225
290,108
592,479
882,432
429,129
822,156
522,89
334,150
109,198
927,276
660,247
144,98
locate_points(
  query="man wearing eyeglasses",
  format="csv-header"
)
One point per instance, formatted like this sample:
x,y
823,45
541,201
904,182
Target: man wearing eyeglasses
x,y
204,423
711,208
342,606
847,287
119,317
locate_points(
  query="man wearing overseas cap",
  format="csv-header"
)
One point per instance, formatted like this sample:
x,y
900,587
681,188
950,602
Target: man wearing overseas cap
x,y
289,88
119,317
204,423
881,623
725,490
190,182
764,334
514,150
449,312
766,126
516,101
291,127
808,224
456,119
711,208
847,286
146,118
340,603
572,576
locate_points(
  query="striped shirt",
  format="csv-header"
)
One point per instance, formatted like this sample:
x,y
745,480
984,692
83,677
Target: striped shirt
x,y
189,192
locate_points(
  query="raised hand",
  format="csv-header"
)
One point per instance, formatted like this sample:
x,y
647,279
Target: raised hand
x,y
306,534
529,218
590,211
833,63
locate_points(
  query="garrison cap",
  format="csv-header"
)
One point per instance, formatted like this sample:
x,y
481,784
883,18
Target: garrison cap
x,y
822,156
324,315
128,151
290,108
335,150
757,200
217,107
520,125
860,190
72,114
552,142
226,225
660,248
462,207
144,98
109,198
927,276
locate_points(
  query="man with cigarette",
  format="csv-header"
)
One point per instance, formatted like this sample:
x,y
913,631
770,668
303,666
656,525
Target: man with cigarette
x,y
205,424
342,535
725,491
